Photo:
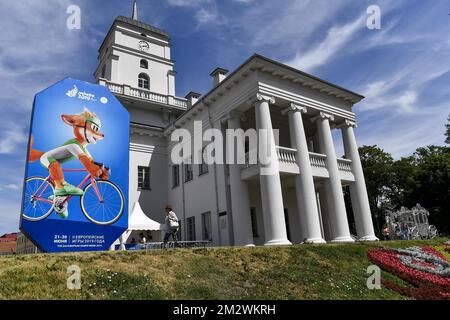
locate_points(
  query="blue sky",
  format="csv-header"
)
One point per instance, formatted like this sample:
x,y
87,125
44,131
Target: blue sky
x,y
402,69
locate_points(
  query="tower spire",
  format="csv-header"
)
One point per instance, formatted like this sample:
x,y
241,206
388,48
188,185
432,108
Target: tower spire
x,y
135,11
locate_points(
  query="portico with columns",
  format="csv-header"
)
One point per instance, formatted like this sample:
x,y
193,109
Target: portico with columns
x,y
294,163
297,196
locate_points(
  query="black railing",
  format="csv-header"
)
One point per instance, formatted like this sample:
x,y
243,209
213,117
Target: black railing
x,y
169,245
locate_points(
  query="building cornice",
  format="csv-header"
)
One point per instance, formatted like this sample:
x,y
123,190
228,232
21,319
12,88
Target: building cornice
x,y
142,130
143,55
258,63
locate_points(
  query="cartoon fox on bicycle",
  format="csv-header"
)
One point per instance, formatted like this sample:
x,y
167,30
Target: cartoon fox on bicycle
x,y
86,130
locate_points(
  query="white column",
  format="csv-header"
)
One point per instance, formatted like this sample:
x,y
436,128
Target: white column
x,y
358,190
240,202
333,188
270,183
304,183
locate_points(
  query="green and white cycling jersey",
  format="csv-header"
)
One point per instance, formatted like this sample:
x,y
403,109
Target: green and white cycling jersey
x,y
68,151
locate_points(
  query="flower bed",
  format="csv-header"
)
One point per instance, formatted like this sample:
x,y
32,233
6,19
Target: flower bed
x,y
426,270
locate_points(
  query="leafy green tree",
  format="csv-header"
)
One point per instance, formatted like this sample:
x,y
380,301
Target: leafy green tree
x,y
424,178
432,184
402,182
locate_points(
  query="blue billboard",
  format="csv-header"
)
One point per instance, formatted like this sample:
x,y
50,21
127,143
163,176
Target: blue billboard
x,y
75,195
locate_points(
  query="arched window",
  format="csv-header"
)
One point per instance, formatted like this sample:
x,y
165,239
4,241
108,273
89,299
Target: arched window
x,y
144,64
144,81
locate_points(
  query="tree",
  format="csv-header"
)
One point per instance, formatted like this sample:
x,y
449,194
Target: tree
x,y
424,178
402,182
432,184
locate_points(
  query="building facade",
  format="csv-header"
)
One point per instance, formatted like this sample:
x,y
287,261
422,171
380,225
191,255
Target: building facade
x,y
25,245
236,204
8,244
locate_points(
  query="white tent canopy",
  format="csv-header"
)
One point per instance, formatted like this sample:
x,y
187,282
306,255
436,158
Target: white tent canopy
x,y
138,221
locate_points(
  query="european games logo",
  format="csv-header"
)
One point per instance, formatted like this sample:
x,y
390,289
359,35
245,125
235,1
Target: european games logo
x,y
74,92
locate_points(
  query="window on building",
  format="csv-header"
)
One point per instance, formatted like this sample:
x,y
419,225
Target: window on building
x,y
144,64
144,81
188,172
203,166
206,226
254,222
190,228
143,178
175,176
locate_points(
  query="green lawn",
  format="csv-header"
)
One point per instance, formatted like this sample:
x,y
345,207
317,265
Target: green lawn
x,y
296,272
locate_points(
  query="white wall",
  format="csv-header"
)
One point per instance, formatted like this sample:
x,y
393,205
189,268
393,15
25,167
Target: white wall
x,y
154,155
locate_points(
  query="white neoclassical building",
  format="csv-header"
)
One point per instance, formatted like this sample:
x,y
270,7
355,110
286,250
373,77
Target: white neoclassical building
x,y
236,204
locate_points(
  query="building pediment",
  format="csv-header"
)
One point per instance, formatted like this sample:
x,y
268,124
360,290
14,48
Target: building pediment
x,y
259,68
261,64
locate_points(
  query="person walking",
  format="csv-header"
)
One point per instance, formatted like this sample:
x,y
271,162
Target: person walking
x,y
172,225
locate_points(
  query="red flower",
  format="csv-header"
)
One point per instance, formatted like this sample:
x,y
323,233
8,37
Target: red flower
x,y
425,285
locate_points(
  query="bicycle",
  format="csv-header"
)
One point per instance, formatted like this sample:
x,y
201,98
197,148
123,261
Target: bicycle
x,y
102,202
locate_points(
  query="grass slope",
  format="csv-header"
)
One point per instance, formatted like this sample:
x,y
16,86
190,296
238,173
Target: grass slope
x,y
295,272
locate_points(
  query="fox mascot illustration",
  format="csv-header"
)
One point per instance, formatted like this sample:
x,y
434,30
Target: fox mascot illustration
x,y
86,130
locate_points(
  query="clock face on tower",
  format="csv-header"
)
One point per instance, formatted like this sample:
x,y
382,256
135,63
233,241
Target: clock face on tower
x,y
144,46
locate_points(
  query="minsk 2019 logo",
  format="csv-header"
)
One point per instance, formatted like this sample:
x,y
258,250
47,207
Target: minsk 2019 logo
x,y
75,93
72,93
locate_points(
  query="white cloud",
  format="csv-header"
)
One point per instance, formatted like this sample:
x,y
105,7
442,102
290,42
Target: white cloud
x,y
36,37
10,186
9,216
401,87
11,139
288,27
206,11
205,16
337,37
187,3
402,133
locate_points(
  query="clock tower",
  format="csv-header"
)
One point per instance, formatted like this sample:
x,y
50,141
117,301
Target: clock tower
x,y
137,54
134,63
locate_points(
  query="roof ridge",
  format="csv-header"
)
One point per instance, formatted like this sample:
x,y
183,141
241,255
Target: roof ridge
x,y
143,25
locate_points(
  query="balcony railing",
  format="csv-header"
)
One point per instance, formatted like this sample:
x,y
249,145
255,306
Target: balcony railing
x,y
345,165
318,160
144,94
286,155
288,163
